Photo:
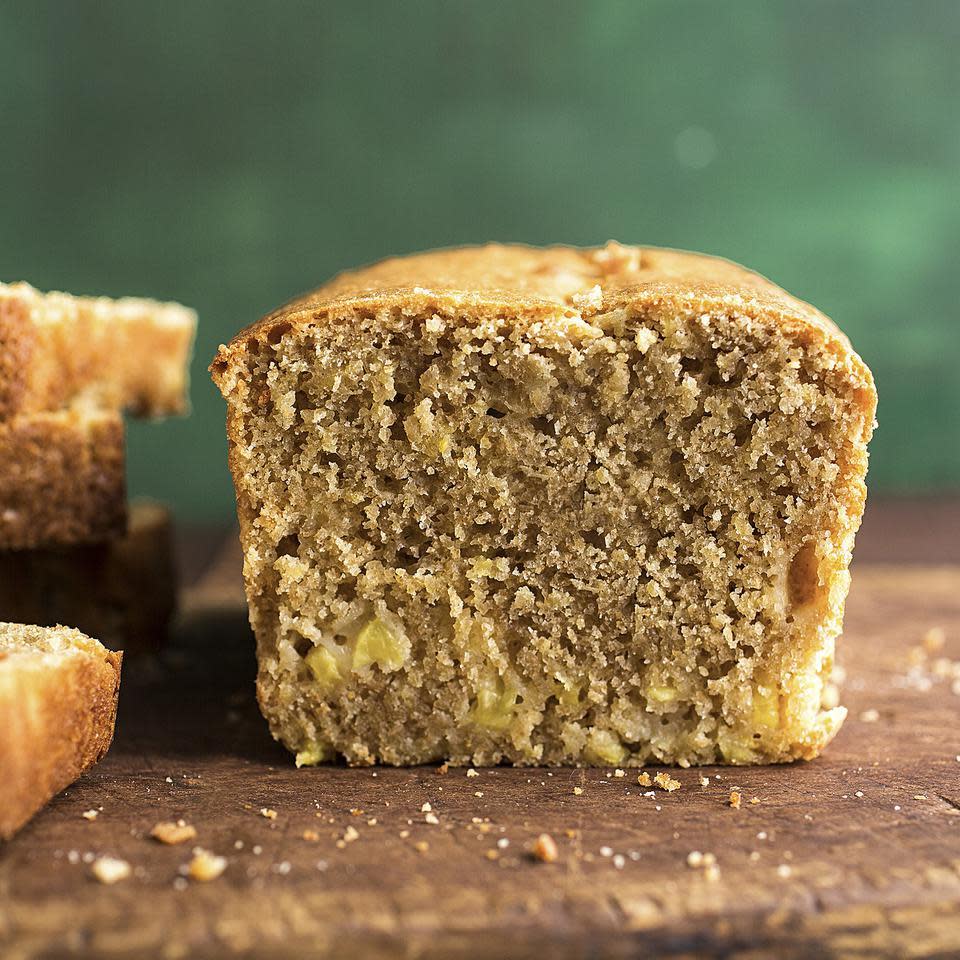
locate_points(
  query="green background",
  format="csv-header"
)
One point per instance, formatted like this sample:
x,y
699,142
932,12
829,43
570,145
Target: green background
x,y
230,155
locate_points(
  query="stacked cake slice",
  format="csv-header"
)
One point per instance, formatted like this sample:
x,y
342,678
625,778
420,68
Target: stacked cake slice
x,y
58,704
70,551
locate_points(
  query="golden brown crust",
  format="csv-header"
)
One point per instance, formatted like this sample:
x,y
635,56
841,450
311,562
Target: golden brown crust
x,y
122,591
530,283
58,705
63,479
127,354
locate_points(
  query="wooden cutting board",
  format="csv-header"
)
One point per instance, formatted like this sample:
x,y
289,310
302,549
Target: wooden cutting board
x,y
855,854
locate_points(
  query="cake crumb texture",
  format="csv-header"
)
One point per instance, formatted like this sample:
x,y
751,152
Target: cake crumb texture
x,y
63,480
547,506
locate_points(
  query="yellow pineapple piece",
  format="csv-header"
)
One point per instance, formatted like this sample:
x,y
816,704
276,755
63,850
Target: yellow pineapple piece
x,y
313,754
737,745
766,707
496,705
605,747
661,693
377,643
324,667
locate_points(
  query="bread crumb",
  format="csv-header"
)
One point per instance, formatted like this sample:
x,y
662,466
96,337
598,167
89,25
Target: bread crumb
x,y
934,640
735,799
90,814
268,813
577,791
619,773
644,780
591,299
491,855
665,782
421,846
919,796
754,800
784,870
205,866
350,834
545,849
472,773
311,835
426,808
110,870
443,769
432,819
704,781
356,812
170,833
870,716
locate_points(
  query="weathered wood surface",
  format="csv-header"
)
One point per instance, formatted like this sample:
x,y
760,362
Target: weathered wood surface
x,y
855,854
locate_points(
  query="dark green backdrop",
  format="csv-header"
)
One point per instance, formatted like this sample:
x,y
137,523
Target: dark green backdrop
x,y
231,154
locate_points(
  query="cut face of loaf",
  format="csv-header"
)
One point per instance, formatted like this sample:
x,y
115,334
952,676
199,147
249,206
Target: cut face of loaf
x,y
62,479
58,704
547,506
57,349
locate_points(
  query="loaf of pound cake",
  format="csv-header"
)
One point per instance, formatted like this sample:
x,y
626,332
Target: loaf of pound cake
x,y
121,591
547,506
58,704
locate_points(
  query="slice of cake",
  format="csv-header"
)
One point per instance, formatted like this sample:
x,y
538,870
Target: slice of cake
x,y
547,506
58,703
122,591
56,349
62,478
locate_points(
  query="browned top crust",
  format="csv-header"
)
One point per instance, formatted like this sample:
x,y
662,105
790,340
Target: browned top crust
x,y
535,283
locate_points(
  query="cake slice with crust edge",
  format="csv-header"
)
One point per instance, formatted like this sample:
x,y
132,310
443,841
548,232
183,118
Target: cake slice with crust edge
x,y
58,705
57,350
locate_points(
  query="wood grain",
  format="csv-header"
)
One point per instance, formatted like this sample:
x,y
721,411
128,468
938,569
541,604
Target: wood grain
x,y
855,854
